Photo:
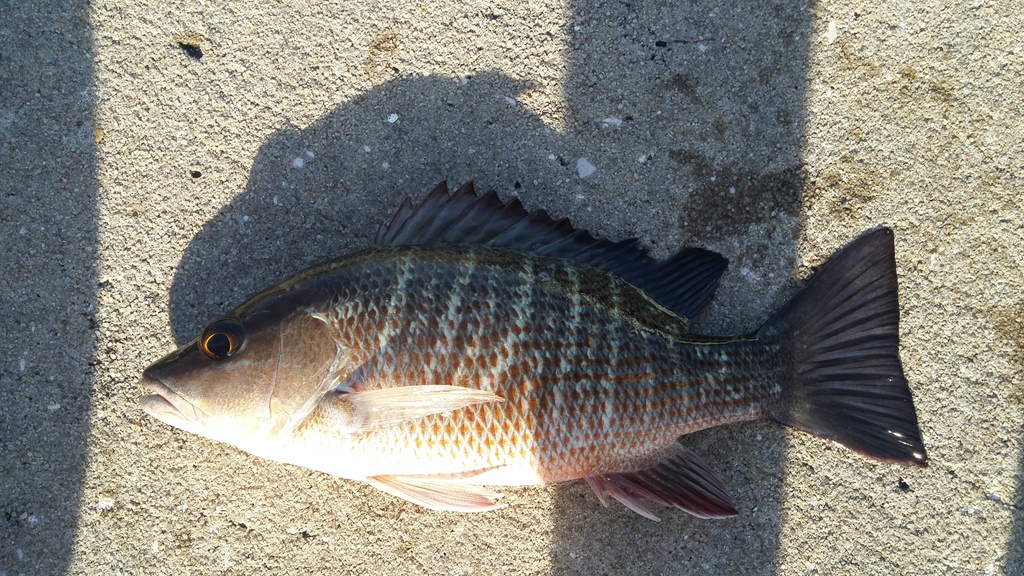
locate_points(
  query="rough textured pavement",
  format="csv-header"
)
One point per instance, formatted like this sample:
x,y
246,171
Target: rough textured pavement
x,y
161,161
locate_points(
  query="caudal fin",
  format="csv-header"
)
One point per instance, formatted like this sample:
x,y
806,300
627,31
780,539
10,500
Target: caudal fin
x,y
842,333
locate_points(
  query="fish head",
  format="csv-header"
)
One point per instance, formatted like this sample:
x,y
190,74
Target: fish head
x,y
248,379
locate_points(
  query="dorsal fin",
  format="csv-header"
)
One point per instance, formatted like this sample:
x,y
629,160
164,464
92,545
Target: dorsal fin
x,y
683,283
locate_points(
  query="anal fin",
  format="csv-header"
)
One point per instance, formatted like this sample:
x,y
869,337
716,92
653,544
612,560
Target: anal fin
x,y
443,492
679,478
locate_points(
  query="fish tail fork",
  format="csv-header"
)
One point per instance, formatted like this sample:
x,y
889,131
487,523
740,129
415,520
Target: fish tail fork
x,y
839,338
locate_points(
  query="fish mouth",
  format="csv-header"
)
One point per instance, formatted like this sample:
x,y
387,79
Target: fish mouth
x,y
165,405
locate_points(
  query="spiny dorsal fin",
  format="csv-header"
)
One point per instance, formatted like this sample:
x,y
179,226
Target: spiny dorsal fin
x,y
684,282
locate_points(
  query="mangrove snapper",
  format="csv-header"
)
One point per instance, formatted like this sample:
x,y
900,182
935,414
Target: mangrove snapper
x,y
477,344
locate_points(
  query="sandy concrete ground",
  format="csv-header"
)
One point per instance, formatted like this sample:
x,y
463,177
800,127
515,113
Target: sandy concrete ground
x,y
160,161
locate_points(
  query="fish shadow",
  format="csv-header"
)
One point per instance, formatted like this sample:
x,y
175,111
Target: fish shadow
x,y
695,142
319,193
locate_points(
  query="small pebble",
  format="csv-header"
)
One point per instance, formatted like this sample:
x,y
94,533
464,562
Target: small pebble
x,y
832,34
584,168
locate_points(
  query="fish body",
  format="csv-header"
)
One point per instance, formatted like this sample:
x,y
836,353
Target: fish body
x,y
587,384
478,344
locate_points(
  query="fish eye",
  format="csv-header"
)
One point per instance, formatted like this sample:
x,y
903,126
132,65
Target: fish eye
x,y
222,339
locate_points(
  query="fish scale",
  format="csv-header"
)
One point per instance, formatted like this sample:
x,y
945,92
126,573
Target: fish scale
x,y
477,343
539,346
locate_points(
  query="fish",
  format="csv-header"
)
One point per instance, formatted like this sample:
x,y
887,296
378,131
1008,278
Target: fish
x,y
477,345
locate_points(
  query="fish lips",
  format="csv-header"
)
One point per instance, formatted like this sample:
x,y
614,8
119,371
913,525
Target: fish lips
x,y
167,406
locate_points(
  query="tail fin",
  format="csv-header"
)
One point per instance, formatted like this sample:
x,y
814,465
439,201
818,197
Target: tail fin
x,y
842,334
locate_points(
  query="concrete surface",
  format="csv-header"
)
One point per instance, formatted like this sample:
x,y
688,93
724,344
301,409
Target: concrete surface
x,y
160,161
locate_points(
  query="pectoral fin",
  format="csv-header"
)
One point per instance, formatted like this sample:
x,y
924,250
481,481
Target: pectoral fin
x,y
374,409
438,493
678,478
